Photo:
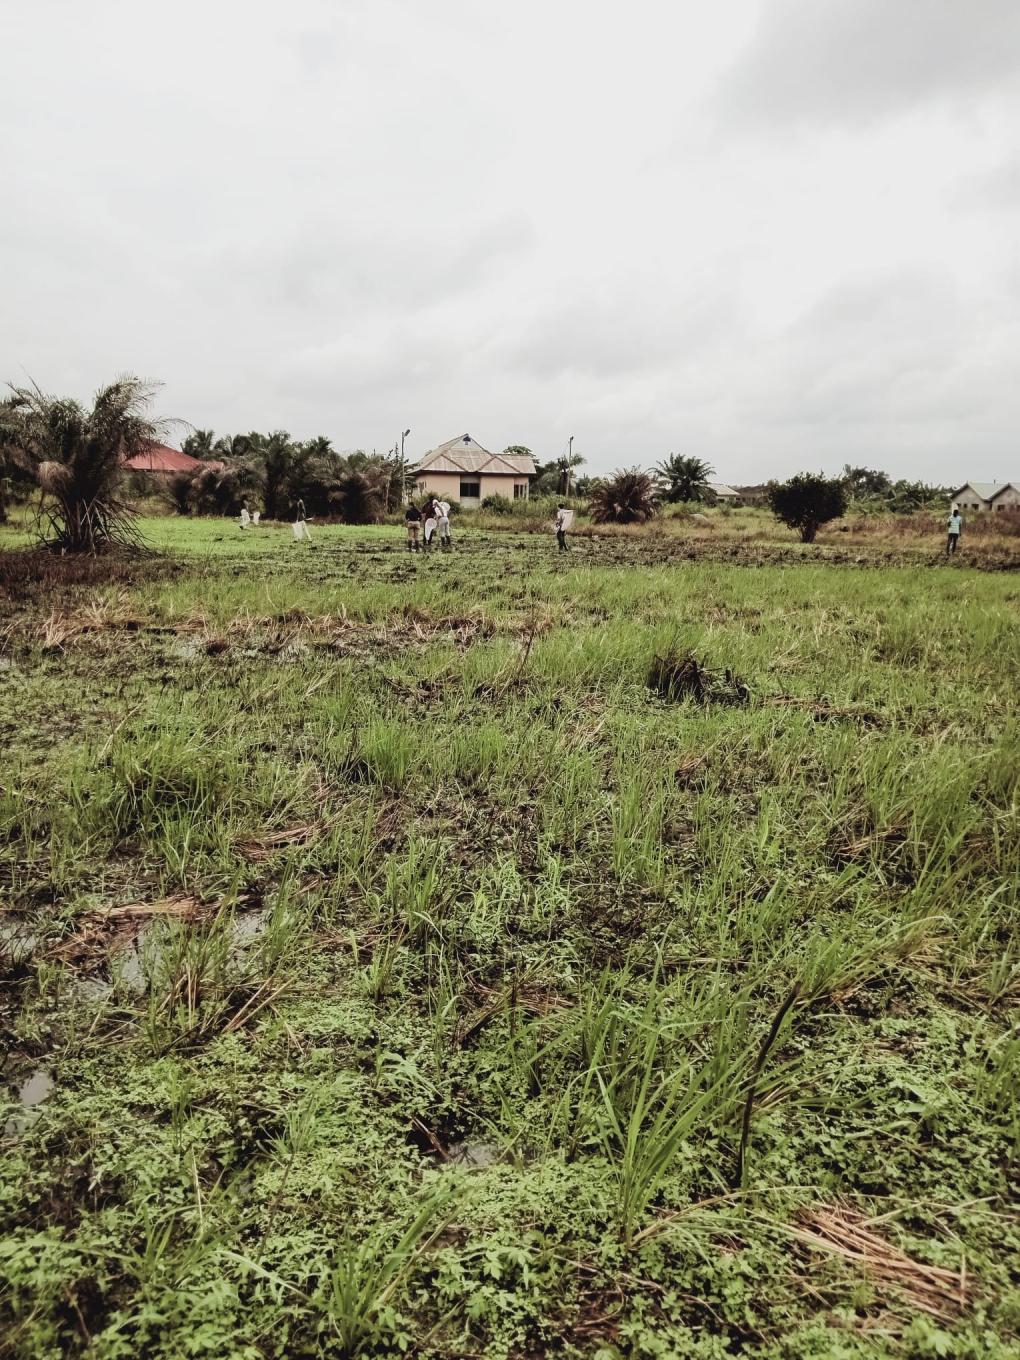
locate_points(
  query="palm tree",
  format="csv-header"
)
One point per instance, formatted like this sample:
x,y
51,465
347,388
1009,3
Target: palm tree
x,y
566,464
283,466
628,497
684,479
76,455
200,444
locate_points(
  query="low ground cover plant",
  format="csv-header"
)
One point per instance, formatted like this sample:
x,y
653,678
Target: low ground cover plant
x,y
495,955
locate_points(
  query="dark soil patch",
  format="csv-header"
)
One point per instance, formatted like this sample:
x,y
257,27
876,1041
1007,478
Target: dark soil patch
x,y
29,573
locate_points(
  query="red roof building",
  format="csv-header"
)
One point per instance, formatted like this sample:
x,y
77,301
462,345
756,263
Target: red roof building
x,y
161,461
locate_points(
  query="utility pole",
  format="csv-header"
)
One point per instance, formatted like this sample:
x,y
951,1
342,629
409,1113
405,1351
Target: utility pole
x,y
403,472
570,455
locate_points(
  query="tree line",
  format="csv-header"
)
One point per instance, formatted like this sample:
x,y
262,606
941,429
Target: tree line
x,y
75,455
279,471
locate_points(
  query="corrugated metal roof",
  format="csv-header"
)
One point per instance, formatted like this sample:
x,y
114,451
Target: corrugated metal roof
x,y
986,490
721,489
161,458
465,454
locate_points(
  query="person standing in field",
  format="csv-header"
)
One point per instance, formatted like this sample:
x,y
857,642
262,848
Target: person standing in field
x,y
443,511
412,518
431,520
299,527
954,525
245,517
564,519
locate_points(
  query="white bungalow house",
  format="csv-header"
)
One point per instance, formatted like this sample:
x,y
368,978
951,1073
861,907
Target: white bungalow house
x,y
988,496
724,495
462,470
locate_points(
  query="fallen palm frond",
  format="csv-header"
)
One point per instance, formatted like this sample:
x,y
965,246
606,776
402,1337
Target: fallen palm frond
x,y
849,847
823,711
517,996
93,936
690,773
263,847
841,1231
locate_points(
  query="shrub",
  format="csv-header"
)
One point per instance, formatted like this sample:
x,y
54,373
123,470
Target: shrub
x,y
807,501
180,489
498,505
628,497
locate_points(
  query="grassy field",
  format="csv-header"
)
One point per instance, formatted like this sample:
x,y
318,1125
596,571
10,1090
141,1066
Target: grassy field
x,y
500,955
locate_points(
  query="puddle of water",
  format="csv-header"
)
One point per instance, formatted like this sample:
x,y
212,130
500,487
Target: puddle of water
x,y
35,1090
32,1092
249,925
473,1154
128,966
187,648
17,941
134,964
93,988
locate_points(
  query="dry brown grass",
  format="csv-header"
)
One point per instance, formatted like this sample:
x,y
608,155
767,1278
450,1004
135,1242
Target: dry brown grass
x,y
838,1230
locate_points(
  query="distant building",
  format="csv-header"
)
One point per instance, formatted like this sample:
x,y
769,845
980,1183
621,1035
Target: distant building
x,y
988,496
752,495
724,495
461,470
161,461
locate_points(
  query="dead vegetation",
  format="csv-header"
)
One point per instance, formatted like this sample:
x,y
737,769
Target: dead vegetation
x,y
101,931
841,1231
677,677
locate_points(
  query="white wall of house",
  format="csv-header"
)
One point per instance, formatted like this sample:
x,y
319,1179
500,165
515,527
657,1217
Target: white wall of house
x,y
470,489
1008,499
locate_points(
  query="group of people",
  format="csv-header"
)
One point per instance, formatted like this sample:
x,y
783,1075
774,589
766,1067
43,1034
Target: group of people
x,y
432,518
424,524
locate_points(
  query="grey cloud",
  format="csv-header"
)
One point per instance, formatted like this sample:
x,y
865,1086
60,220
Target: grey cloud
x,y
998,189
619,331
892,370
332,264
852,61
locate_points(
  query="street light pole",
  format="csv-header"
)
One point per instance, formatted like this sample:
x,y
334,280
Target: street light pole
x,y
403,474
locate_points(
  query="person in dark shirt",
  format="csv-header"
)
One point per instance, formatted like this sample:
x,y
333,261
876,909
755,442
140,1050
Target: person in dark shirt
x,y
412,518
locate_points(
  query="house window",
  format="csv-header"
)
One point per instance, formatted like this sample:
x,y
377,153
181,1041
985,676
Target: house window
x,y
520,491
470,490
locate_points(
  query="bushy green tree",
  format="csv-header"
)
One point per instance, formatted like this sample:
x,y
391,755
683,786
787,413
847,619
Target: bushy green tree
x,y
807,501
865,483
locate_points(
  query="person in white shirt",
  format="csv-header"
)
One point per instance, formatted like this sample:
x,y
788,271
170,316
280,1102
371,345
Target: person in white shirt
x,y
443,511
564,519
245,517
431,520
954,525
299,528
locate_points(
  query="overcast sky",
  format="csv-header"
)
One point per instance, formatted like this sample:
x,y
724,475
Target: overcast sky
x,y
779,234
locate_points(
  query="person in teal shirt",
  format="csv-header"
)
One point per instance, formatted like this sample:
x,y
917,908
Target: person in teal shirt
x,y
955,526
